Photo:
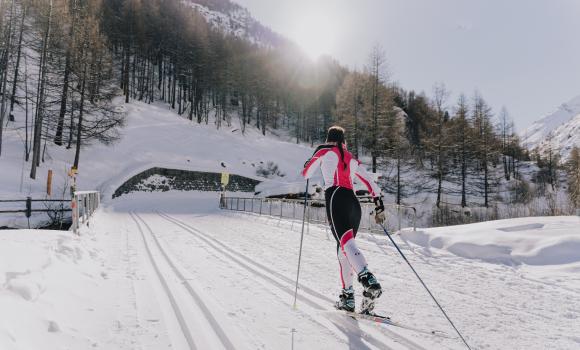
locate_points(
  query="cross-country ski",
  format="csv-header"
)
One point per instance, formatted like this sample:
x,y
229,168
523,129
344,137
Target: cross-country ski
x,y
387,321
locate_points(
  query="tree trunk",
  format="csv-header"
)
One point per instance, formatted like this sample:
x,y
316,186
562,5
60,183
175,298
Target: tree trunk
x,y
80,123
40,99
63,101
18,55
5,74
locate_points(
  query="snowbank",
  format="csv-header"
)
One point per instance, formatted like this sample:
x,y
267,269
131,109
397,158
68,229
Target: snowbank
x,y
530,241
50,285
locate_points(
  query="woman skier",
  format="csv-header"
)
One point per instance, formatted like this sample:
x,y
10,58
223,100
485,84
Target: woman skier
x,y
343,212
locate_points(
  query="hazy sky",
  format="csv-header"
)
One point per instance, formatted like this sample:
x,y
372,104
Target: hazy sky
x,y
524,54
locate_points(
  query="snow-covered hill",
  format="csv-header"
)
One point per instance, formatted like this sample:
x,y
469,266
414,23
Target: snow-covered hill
x,y
236,20
171,270
559,130
154,136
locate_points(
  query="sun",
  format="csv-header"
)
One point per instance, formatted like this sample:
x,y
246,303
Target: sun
x,y
315,33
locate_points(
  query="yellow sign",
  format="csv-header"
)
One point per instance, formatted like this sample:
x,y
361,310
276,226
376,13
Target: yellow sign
x,y
225,179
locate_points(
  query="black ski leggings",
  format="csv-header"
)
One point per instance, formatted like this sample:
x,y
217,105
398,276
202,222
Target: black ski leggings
x,y
342,211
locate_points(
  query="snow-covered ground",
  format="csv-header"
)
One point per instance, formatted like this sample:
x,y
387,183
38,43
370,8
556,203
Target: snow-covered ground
x,y
160,270
154,136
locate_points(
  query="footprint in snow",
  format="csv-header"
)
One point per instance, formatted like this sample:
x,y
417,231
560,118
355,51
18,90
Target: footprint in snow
x,y
53,327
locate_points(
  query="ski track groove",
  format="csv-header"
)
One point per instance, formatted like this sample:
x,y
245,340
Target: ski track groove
x,y
182,324
224,339
437,333
232,253
369,338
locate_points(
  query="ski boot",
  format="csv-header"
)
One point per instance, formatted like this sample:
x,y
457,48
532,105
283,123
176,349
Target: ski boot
x,y
372,290
346,300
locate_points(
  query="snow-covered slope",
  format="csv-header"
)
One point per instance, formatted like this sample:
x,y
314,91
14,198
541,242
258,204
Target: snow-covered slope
x,y
153,137
168,270
563,138
236,20
559,130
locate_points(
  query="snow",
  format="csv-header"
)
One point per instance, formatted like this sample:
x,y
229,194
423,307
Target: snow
x,y
238,22
156,270
560,129
530,241
564,138
154,136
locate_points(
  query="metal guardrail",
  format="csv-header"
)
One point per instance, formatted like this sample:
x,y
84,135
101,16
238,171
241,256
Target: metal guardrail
x,y
405,216
84,204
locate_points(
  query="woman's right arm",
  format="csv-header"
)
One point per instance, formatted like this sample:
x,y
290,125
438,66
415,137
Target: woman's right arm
x,y
313,163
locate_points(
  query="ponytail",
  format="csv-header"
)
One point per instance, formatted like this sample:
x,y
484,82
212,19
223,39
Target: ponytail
x,y
341,150
336,134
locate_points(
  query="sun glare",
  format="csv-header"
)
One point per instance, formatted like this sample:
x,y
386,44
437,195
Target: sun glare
x,y
315,33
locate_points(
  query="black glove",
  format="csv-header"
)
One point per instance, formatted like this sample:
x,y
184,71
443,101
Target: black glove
x,y
379,210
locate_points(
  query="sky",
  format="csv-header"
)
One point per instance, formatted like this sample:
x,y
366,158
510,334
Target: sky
x,y
521,54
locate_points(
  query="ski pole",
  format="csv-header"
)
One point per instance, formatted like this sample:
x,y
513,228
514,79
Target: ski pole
x,y
301,241
424,285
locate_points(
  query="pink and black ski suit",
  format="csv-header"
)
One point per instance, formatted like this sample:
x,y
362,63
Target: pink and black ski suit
x,y
343,211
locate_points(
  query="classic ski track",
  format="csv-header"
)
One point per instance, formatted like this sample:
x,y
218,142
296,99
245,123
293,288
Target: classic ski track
x,y
224,339
314,293
367,337
236,256
182,324
436,333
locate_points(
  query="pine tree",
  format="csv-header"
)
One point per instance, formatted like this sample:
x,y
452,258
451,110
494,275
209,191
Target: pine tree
x,y
573,171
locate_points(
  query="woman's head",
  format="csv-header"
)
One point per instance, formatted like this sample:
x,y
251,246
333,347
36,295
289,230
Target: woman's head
x,y
335,134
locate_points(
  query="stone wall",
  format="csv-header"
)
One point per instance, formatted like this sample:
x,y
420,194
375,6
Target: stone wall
x,y
161,179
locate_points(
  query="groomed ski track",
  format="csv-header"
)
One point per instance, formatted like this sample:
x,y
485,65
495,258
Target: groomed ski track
x,y
285,284
214,279
337,324
193,271
177,308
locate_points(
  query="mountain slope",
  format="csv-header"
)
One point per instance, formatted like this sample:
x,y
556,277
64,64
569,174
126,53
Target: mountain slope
x,y
235,20
560,129
563,138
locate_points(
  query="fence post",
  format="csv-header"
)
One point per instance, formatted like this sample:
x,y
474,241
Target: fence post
x,y
261,206
28,207
399,216
76,215
85,205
